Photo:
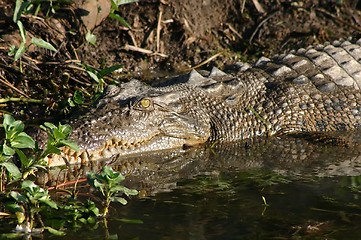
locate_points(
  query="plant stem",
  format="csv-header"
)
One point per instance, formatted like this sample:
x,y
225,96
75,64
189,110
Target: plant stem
x,y
20,99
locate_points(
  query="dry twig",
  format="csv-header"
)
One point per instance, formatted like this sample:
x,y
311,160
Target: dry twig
x,y
259,26
159,27
207,60
4,81
143,50
351,25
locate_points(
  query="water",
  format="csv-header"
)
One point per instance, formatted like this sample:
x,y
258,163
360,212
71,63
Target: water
x,y
230,206
280,188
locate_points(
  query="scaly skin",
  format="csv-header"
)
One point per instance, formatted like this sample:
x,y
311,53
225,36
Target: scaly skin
x,y
309,90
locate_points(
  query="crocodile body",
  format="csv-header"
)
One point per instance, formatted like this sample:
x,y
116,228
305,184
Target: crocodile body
x,y
316,89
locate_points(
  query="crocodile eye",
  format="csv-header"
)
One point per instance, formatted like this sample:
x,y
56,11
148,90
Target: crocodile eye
x,y
144,103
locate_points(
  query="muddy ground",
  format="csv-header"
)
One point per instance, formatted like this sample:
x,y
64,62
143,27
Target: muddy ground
x,y
164,37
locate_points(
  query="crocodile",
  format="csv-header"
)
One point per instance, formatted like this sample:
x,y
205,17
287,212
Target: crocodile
x,y
289,157
309,90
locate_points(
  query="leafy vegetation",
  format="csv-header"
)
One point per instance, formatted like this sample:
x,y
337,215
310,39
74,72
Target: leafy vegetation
x,y
20,8
16,140
108,183
115,7
20,157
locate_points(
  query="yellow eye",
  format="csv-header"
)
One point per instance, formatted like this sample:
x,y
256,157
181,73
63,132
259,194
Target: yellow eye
x,y
145,103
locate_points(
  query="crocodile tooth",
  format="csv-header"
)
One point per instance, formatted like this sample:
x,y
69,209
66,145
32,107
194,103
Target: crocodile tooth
x,y
84,157
217,73
106,153
114,141
71,152
113,150
71,159
95,156
66,150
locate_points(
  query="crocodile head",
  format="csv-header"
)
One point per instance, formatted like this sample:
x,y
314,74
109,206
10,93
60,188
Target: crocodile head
x,y
135,118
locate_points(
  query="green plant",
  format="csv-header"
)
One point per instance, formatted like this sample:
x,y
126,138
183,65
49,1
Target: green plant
x,y
115,7
31,203
16,140
28,203
77,99
98,75
77,212
20,8
108,183
57,137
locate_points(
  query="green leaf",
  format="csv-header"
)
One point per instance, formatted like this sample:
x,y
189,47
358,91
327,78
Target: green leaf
x,y
12,50
12,169
23,140
70,144
29,186
20,51
93,76
121,20
52,149
42,43
130,192
18,197
14,207
133,221
4,158
54,231
8,120
20,5
78,97
108,171
91,38
119,200
121,2
58,134
49,125
65,129
114,6
50,203
17,126
109,70
91,206
23,159
125,190
22,31
8,150
71,102
98,184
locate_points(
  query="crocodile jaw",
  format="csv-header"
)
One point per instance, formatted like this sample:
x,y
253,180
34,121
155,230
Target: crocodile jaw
x,y
117,147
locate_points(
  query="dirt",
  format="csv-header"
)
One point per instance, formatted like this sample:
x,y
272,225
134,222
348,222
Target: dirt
x,y
164,37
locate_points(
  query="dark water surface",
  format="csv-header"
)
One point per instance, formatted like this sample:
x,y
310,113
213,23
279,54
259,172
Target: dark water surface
x,y
230,206
283,188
